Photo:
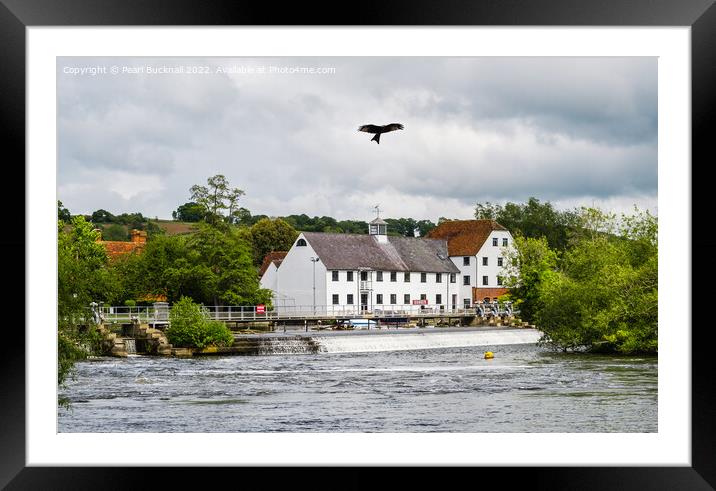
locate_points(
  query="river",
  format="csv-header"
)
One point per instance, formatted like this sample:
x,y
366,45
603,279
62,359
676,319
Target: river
x,y
523,389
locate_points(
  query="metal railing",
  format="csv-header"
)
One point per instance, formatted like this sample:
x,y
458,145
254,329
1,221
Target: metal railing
x,y
244,313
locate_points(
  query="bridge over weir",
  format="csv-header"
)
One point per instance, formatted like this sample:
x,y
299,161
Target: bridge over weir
x,y
159,314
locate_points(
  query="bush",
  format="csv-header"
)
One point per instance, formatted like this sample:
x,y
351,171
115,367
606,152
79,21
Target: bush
x,y
191,327
130,303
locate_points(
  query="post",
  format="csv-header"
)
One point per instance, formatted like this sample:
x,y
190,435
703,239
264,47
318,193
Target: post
x,y
314,260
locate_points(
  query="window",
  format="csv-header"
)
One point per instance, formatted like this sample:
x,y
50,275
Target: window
x,y
423,296
301,243
484,280
349,301
453,278
423,277
379,276
499,280
438,299
334,275
466,261
504,242
393,276
466,279
406,277
406,298
438,277
335,299
466,302
499,261
484,261
494,241
379,299
393,298
364,275
349,275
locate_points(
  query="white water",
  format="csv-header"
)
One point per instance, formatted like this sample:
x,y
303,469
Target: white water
x,y
130,345
427,340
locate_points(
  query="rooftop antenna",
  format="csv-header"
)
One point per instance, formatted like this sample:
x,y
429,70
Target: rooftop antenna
x,y
377,210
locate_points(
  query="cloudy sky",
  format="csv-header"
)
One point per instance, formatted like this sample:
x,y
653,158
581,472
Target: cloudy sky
x,y
572,131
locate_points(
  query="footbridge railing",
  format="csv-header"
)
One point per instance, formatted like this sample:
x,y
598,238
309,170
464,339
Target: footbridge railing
x,y
246,313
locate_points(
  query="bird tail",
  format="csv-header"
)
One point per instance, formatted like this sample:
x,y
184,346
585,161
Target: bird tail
x,y
376,138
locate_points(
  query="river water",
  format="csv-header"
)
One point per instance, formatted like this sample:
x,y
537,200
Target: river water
x,y
523,389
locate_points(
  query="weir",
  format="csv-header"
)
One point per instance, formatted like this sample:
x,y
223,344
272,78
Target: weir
x,y
424,340
365,341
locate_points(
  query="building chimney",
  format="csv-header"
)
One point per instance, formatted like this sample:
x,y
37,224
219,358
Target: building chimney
x,y
138,236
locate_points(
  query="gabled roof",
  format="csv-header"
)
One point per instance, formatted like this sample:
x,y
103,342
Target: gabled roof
x,y
272,257
357,251
464,237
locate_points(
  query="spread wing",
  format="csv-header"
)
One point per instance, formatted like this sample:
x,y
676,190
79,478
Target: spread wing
x,y
392,127
370,128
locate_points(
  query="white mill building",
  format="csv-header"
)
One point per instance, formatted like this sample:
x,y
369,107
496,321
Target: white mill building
x,y
352,273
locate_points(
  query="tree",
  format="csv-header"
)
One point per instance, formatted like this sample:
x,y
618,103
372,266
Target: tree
x,y
487,211
190,326
82,278
223,262
189,212
271,235
232,196
63,214
102,216
215,197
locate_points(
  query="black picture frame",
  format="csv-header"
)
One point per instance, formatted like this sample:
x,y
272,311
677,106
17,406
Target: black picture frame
x,y
699,15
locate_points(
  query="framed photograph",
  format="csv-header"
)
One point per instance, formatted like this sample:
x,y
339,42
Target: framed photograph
x,y
135,118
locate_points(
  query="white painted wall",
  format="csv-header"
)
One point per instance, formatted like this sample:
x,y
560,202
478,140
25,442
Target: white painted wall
x,y
492,253
268,280
295,275
476,270
400,287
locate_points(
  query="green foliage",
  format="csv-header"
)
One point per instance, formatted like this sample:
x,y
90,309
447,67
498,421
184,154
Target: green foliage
x,y
529,264
189,212
82,278
213,266
115,231
130,303
603,293
102,216
63,214
271,235
217,199
191,327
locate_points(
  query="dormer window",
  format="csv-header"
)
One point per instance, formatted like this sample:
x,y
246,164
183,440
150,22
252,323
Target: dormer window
x,y
301,243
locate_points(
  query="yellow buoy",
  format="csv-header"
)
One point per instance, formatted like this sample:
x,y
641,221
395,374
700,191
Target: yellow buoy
x,y
489,355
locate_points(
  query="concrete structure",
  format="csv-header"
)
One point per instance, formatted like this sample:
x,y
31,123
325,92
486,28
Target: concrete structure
x,y
338,273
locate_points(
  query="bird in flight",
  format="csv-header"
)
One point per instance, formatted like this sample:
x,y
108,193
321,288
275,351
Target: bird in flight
x,y
379,130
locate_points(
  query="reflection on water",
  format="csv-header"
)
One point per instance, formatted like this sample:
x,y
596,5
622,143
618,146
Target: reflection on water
x,y
523,389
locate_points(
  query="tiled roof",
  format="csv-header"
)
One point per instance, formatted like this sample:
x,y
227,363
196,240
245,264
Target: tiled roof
x,y
272,257
465,237
356,251
118,248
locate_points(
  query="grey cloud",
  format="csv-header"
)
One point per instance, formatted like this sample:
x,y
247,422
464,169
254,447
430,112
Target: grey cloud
x,y
504,128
